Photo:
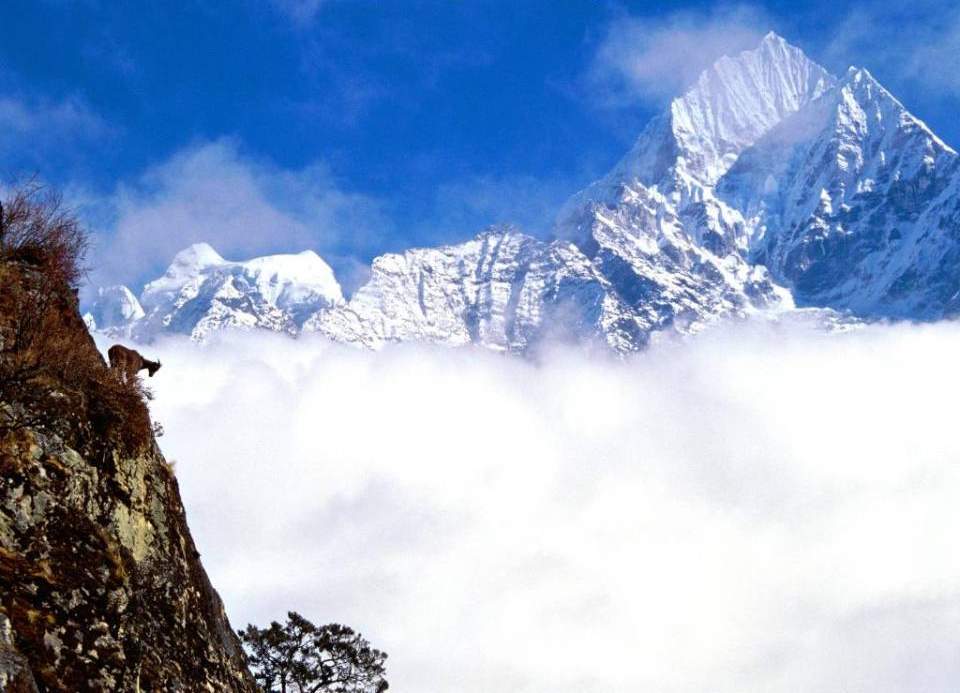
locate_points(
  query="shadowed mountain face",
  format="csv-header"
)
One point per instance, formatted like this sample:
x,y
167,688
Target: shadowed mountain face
x,y
101,587
854,205
769,183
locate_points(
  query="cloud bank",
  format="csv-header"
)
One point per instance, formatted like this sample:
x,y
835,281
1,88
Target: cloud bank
x,y
759,509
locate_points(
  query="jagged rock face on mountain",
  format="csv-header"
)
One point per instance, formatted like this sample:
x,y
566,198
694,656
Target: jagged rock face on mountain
x,y
101,587
503,290
101,581
855,205
769,183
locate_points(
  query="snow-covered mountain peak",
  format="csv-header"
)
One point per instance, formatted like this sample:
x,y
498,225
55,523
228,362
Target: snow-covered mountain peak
x,y
731,105
114,308
196,257
737,100
501,289
860,90
851,204
306,267
276,276
201,292
860,81
292,280
186,267
773,37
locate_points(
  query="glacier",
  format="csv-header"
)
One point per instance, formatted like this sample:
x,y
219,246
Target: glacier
x,y
770,185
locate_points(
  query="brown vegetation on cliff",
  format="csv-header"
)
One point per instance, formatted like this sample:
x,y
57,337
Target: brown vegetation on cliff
x,y
51,376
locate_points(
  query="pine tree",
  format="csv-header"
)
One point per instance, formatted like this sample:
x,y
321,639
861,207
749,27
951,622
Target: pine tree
x,y
299,657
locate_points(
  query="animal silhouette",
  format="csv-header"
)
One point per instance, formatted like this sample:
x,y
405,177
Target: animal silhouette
x,y
128,362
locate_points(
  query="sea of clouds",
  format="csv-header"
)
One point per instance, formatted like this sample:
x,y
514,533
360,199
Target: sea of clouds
x,y
760,508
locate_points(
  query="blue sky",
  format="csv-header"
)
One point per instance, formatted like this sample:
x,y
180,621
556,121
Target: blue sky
x,y
358,127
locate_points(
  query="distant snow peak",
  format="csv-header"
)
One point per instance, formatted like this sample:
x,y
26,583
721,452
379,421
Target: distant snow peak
x,y
197,256
114,310
201,293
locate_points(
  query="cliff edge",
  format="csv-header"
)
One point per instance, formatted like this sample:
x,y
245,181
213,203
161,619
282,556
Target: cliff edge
x,y
101,586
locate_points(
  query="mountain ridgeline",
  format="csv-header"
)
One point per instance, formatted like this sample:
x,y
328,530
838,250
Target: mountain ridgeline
x,y
769,185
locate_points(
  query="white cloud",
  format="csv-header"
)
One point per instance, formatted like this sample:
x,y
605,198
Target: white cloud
x,y
915,43
35,127
242,206
654,58
754,510
301,12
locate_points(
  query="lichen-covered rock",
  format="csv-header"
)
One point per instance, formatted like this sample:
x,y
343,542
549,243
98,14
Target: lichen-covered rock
x,y
15,674
99,578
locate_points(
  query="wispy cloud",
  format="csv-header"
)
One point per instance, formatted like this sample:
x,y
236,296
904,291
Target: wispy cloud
x,y
754,510
654,58
919,41
301,13
242,206
35,130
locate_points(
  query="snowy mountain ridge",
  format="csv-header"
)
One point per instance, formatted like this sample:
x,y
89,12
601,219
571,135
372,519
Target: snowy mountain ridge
x,y
201,292
730,106
768,183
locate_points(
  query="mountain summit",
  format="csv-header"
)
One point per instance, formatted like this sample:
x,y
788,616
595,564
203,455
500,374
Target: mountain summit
x,y
730,106
201,293
768,184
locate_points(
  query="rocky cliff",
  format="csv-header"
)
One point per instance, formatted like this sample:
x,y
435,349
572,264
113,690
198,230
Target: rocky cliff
x,y
101,586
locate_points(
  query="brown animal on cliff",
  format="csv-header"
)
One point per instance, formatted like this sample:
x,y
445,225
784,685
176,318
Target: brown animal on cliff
x,y
128,362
